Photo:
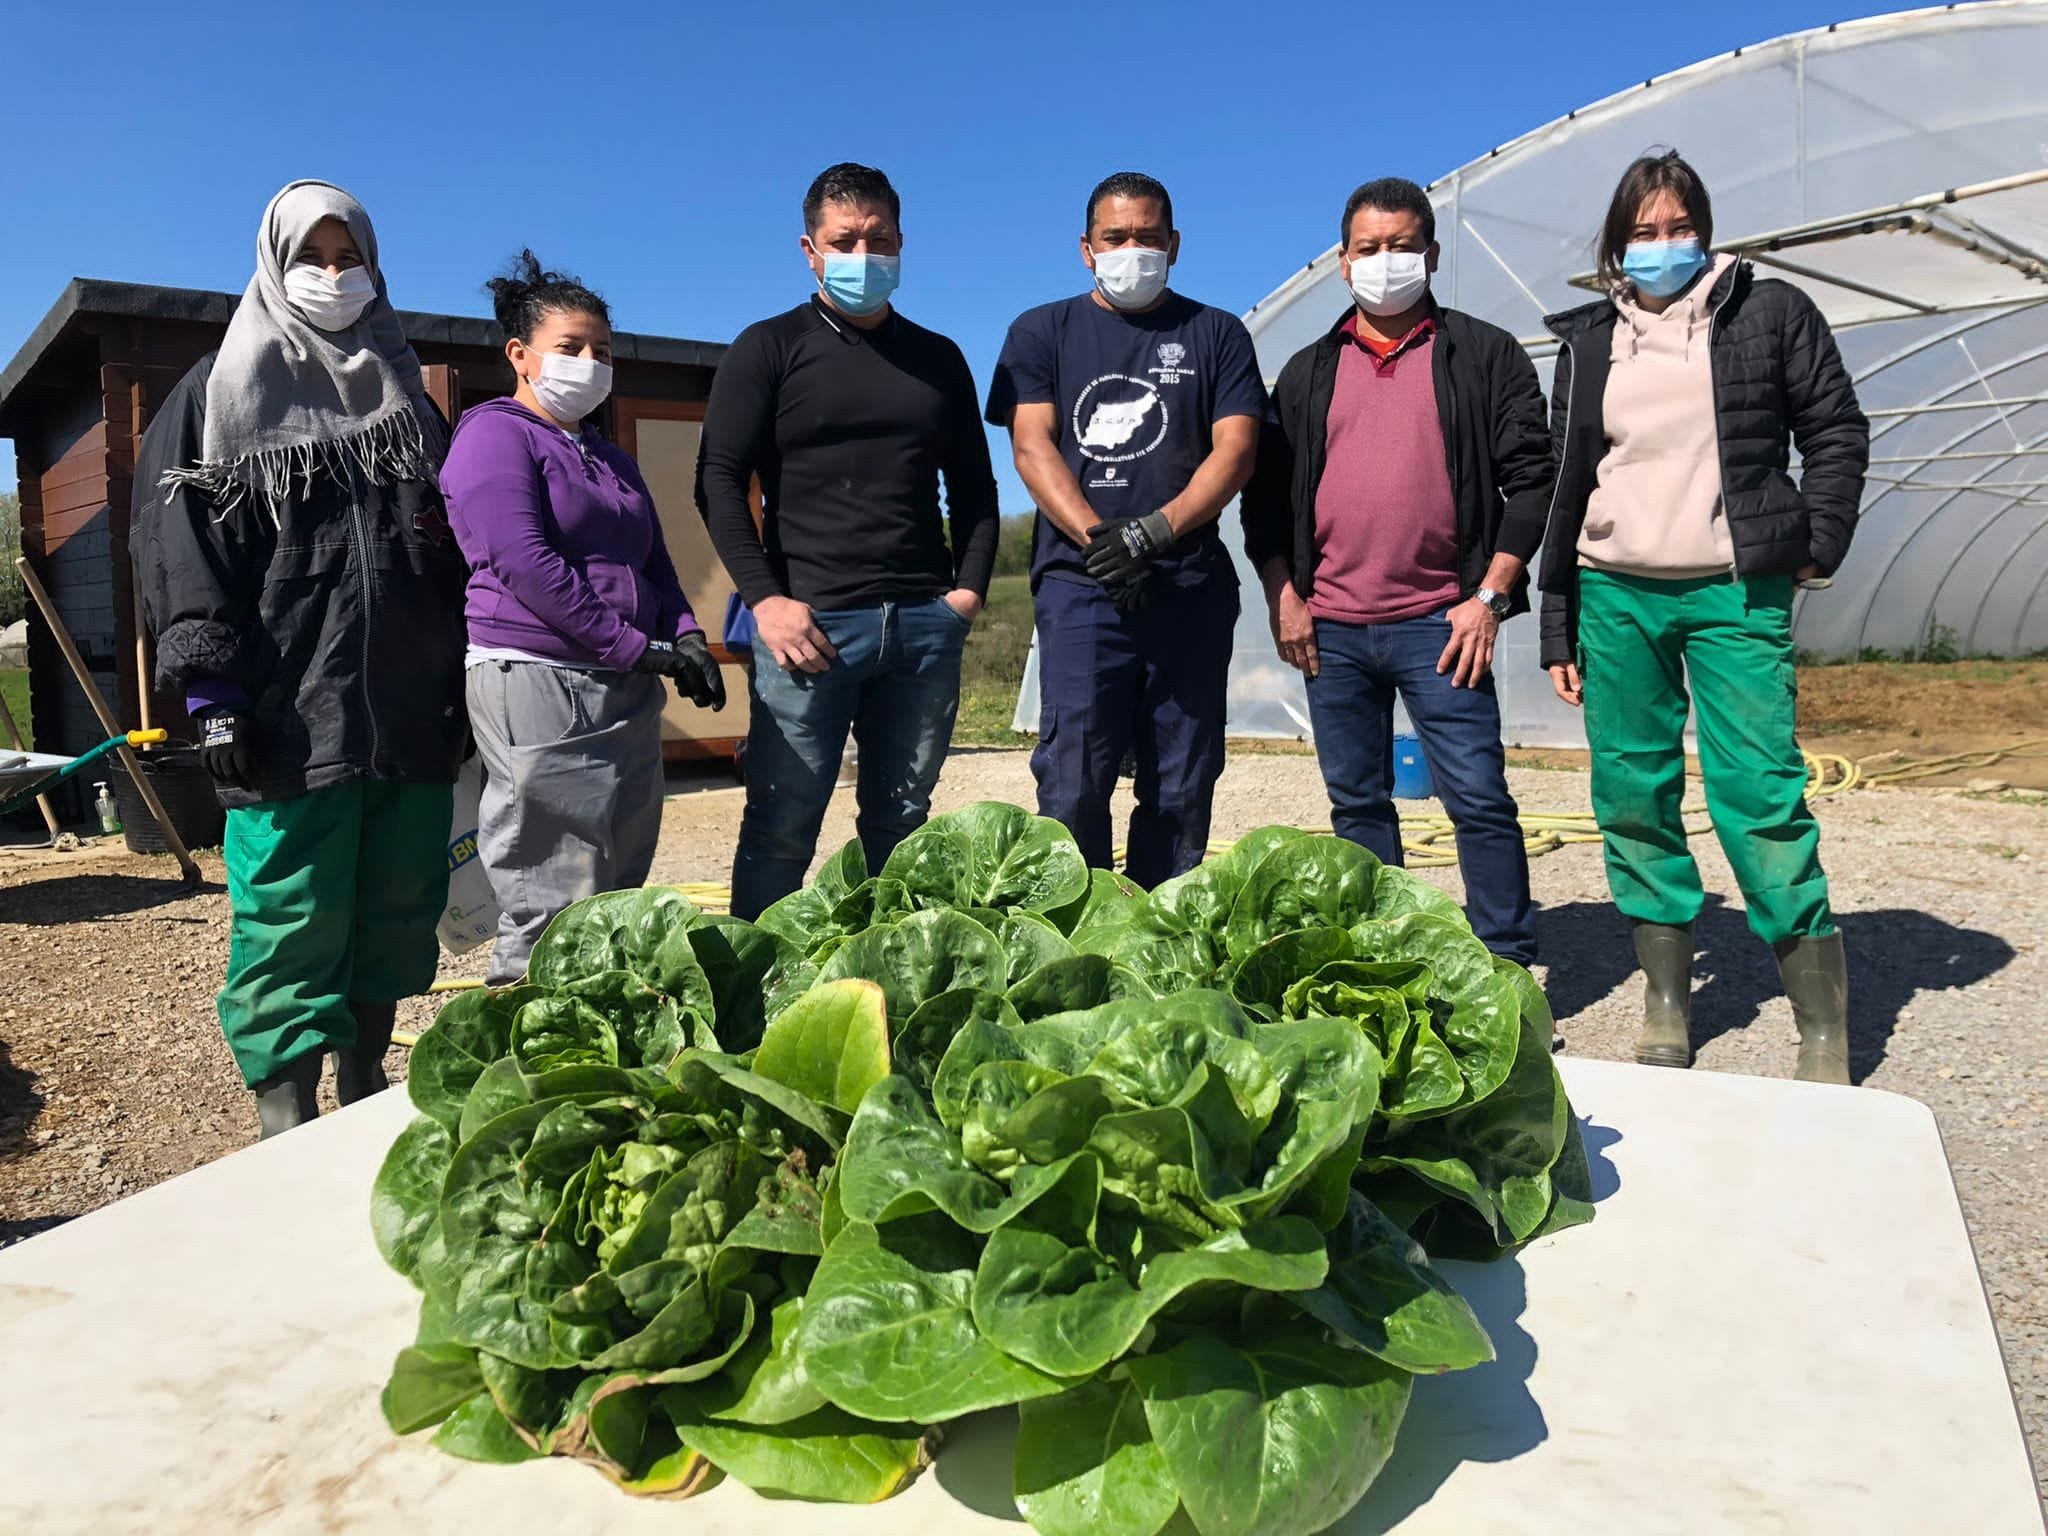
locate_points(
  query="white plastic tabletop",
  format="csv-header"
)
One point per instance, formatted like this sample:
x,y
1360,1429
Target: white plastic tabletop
x,y
1775,1324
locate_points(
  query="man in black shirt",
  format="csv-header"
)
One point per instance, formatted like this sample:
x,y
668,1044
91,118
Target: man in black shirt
x,y
847,414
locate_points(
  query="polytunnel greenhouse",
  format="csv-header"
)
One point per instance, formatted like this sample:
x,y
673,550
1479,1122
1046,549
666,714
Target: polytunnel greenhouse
x,y
1894,168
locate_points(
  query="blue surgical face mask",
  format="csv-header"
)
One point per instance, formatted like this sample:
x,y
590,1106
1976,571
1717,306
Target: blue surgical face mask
x,y
1661,268
860,285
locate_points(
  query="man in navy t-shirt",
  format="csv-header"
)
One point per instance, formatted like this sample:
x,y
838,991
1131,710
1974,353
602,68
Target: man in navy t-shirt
x,y
1134,416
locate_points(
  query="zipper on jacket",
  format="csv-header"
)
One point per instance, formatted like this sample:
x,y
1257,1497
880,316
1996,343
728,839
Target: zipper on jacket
x,y
1458,528
1564,453
359,536
1720,450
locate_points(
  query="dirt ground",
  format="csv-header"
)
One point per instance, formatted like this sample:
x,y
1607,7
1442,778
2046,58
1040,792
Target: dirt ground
x,y
113,1076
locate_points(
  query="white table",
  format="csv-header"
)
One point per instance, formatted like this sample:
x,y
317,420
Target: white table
x,y
1775,1324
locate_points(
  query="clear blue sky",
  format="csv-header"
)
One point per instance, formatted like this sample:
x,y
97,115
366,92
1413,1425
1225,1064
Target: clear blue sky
x,y
661,150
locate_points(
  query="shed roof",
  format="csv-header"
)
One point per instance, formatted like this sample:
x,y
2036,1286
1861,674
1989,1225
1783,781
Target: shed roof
x,y
84,297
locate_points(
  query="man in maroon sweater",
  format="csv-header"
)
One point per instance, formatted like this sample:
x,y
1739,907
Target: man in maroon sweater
x,y
1399,494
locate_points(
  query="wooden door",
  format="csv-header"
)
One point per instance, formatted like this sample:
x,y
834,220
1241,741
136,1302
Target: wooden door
x,y
663,435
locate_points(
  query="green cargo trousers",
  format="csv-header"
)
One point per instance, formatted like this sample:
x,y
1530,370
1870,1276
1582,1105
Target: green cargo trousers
x,y
1641,642
334,895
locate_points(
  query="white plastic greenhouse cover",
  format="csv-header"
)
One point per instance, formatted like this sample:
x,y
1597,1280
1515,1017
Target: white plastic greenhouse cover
x,y
1829,155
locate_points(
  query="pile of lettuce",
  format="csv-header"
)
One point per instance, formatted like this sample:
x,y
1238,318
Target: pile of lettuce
x,y
1165,1171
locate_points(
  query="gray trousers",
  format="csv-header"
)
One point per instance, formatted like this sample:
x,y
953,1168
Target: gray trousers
x,y
572,791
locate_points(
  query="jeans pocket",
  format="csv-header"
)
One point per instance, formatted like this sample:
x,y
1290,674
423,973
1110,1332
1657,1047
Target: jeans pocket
x,y
966,624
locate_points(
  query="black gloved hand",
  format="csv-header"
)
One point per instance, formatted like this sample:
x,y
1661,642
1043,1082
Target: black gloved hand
x,y
1120,554
227,746
697,675
688,661
1134,592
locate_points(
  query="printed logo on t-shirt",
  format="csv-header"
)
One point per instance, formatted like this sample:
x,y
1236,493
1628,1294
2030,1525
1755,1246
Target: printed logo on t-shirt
x,y
1118,418
1171,355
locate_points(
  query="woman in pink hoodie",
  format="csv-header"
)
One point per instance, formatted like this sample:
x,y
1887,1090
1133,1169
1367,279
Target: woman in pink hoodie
x,y
1676,540
575,618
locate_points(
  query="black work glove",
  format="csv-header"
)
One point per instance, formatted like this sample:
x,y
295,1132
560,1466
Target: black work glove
x,y
696,674
688,662
227,746
1134,592
1120,554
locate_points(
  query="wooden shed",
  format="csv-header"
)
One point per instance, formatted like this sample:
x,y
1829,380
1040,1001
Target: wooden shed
x,y
79,393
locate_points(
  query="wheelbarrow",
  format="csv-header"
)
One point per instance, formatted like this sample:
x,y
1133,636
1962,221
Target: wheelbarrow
x,y
24,775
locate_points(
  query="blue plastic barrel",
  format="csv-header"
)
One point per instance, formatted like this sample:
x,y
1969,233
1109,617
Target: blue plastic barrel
x,y
1411,770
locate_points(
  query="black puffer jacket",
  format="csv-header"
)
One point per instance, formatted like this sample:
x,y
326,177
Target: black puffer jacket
x,y
1778,380
342,627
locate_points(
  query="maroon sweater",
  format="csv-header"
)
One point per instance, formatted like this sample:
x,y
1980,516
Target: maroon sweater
x,y
1386,522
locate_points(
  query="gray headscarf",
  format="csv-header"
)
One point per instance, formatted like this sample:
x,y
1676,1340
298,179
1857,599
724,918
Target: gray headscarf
x,y
287,400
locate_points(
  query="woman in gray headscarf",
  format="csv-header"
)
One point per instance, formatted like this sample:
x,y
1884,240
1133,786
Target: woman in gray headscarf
x,y
306,596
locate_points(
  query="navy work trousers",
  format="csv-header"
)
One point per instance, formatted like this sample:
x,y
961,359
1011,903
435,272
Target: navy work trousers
x,y
1151,683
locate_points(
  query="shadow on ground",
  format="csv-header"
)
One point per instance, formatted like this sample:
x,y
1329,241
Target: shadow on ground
x,y
12,1232
1893,954
78,898
19,1103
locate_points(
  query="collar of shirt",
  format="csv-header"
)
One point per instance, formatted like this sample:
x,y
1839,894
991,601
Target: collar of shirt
x,y
853,335
1385,354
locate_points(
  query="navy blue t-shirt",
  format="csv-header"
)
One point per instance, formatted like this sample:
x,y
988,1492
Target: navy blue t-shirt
x,y
1136,396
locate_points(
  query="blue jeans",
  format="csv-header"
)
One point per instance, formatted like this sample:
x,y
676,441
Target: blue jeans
x,y
1351,706
1153,683
896,686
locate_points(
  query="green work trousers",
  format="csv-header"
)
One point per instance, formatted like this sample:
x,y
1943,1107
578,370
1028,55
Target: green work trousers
x,y
334,895
1641,643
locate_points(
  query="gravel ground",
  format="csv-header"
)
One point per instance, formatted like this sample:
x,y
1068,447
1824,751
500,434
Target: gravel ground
x,y
112,1075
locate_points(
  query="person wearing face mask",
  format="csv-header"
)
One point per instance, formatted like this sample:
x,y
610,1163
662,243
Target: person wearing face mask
x,y
1401,492
575,620
1677,541
847,415
1134,416
298,573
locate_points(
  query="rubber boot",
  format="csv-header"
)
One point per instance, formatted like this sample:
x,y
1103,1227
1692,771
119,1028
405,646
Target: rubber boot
x,y
287,1099
1665,954
359,1069
1816,973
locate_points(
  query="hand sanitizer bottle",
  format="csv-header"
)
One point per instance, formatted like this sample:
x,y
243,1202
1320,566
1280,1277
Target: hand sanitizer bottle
x,y
110,818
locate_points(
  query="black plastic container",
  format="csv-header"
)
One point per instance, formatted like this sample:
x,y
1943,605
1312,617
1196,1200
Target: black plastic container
x,y
186,789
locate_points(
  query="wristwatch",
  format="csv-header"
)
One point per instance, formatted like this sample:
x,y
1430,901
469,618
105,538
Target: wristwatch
x,y
1497,603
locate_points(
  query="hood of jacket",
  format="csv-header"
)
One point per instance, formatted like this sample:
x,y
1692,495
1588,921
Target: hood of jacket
x,y
1570,324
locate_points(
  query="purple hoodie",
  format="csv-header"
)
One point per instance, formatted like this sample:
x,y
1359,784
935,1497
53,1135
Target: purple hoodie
x,y
565,553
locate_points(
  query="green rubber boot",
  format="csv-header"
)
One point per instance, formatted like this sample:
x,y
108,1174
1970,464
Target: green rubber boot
x,y
1665,954
359,1069
1816,973
287,1099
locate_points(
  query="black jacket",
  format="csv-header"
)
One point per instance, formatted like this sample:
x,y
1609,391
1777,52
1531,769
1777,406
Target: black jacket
x,y
1495,440
1778,380
343,627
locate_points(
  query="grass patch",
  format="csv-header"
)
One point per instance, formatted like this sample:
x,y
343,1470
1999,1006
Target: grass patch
x,y
992,667
14,689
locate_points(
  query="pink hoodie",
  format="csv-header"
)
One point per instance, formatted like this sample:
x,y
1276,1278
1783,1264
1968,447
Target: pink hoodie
x,y
1657,509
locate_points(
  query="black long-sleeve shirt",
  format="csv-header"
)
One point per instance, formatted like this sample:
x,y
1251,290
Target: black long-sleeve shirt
x,y
849,432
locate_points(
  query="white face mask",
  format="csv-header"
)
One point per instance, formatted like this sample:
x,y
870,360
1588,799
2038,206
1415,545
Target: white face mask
x,y
1131,276
1389,282
570,388
331,303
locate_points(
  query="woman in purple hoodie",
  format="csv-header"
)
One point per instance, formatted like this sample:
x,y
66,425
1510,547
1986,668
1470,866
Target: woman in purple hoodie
x,y
575,617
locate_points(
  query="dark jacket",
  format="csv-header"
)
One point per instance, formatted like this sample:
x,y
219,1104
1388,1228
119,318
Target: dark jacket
x,y
342,628
1495,440
1778,380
